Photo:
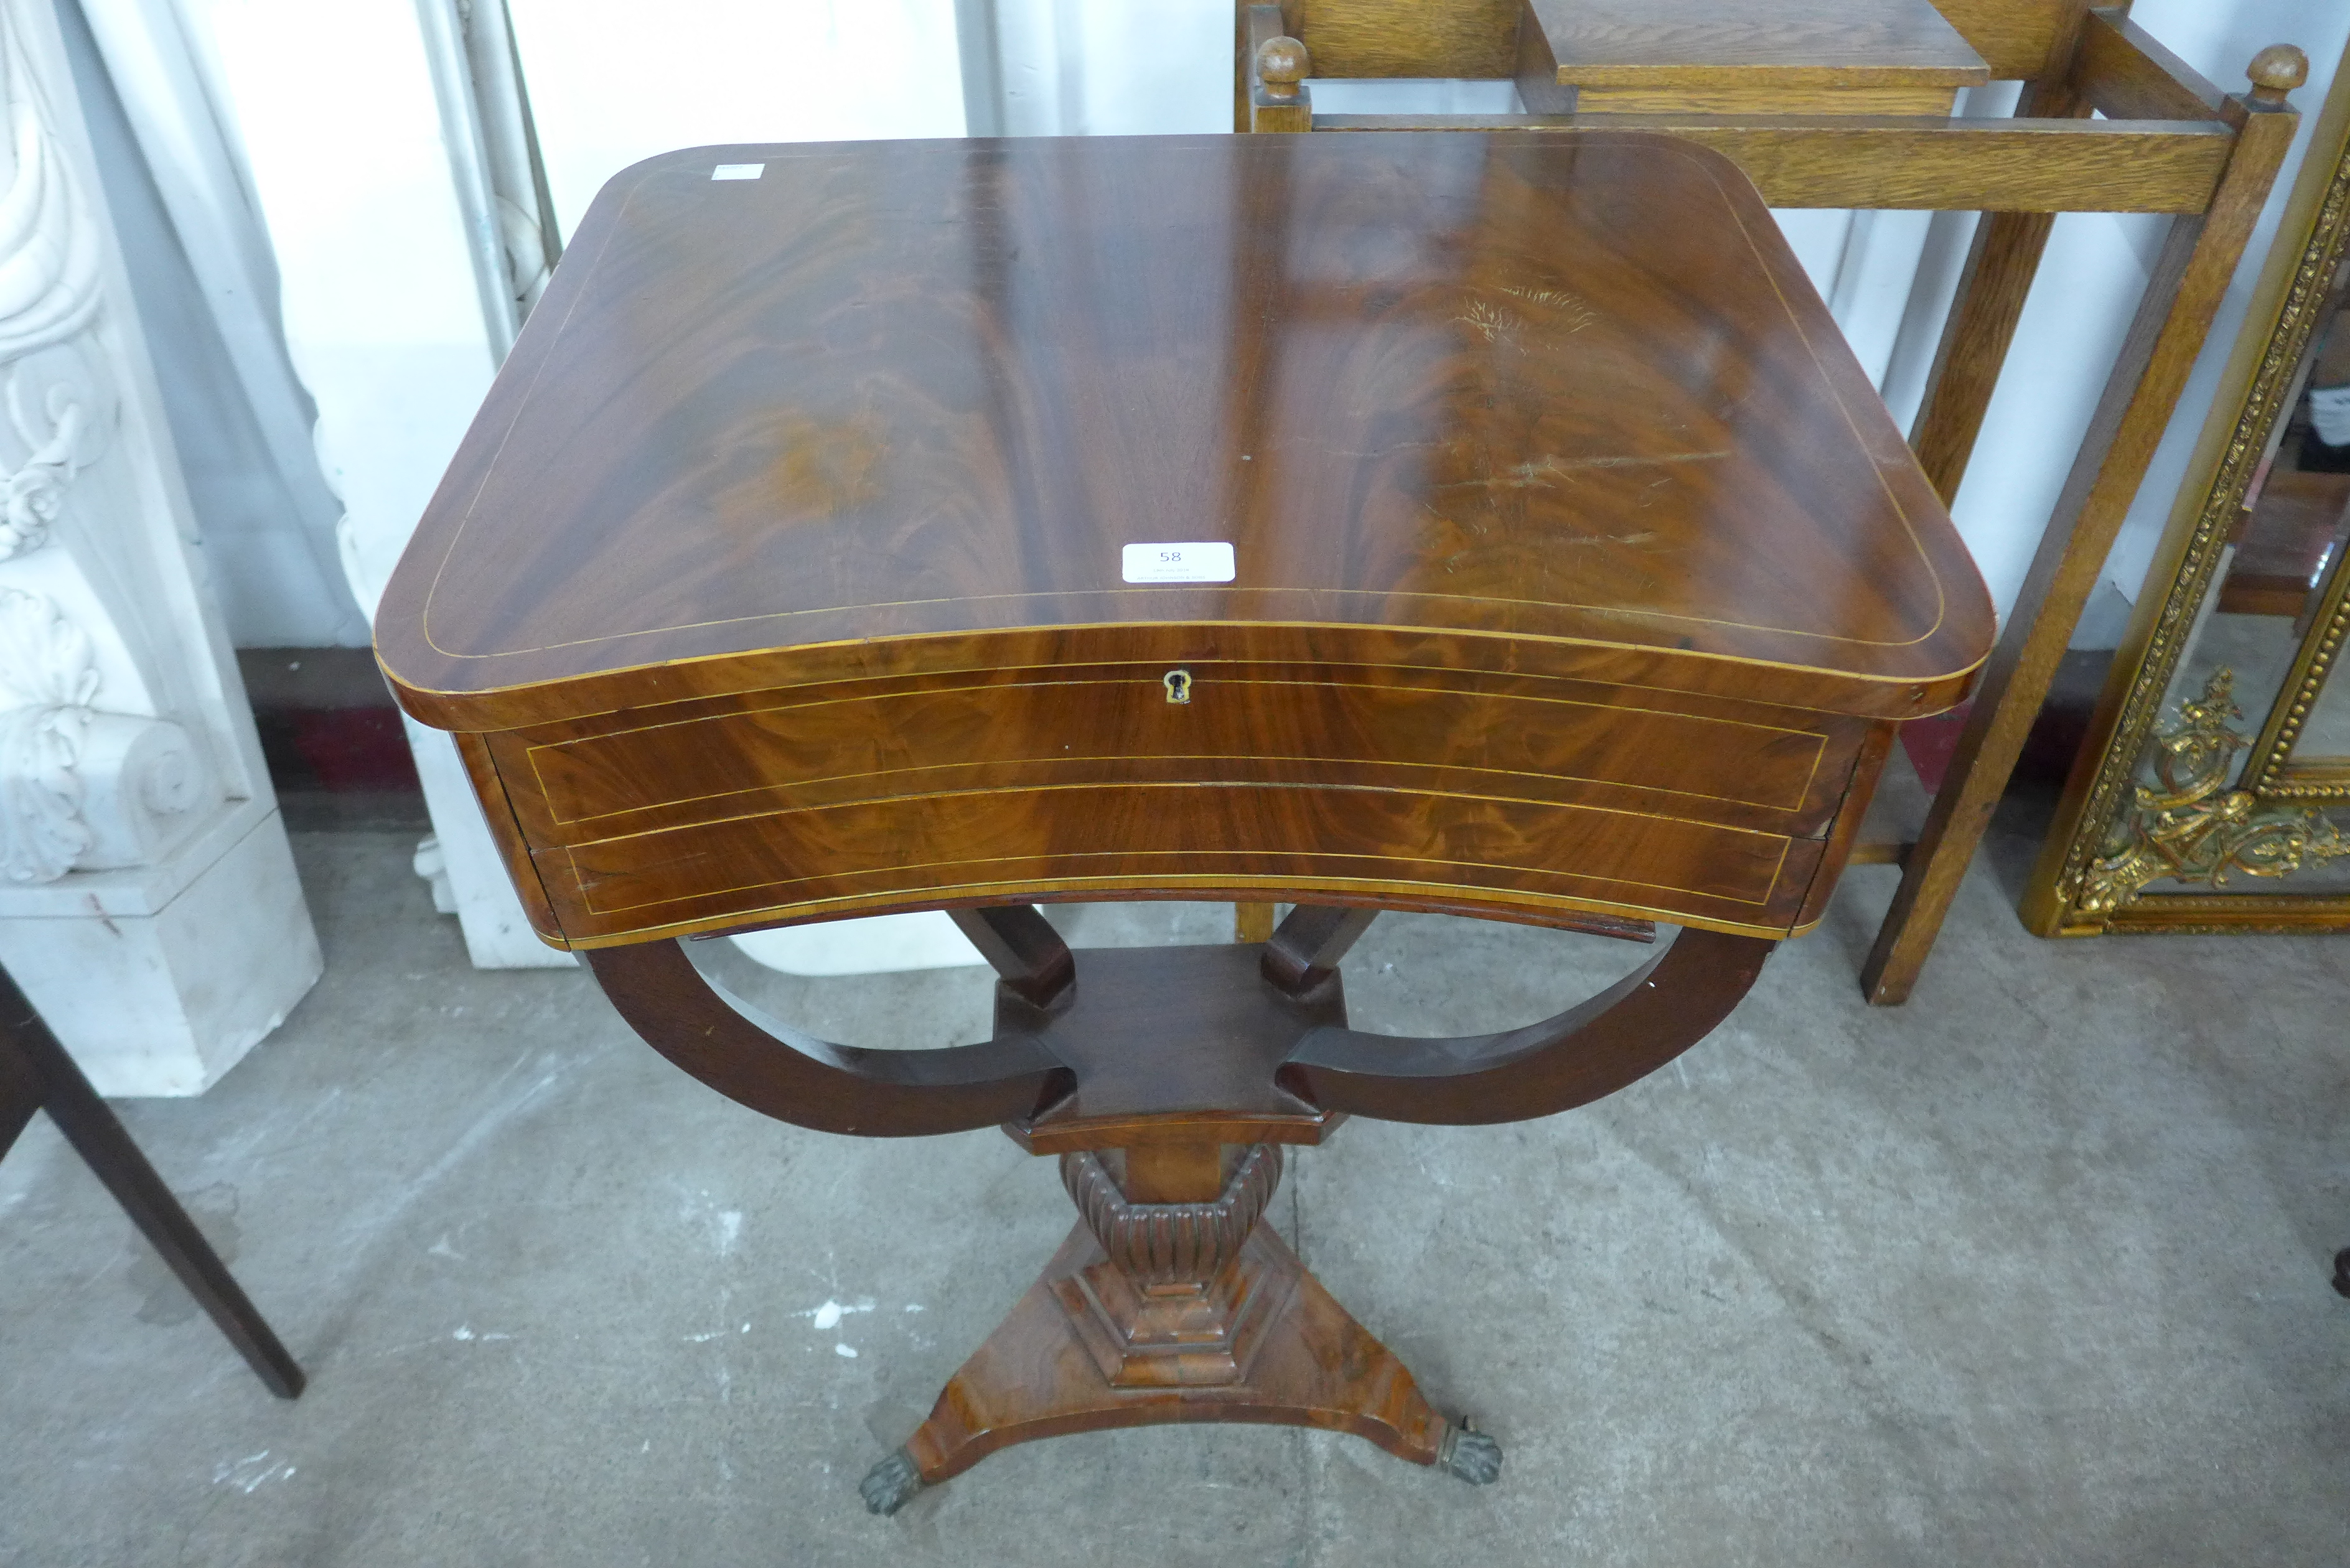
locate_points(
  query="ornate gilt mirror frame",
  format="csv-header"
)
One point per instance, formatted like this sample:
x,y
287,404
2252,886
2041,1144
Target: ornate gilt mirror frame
x,y
2189,807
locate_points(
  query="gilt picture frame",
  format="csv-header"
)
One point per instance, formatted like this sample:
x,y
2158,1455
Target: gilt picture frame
x,y
2209,794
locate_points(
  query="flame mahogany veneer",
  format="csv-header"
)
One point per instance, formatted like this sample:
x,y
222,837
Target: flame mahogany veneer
x,y
1579,579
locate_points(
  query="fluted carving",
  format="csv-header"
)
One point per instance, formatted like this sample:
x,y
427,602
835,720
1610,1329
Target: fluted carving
x,y
1165,1244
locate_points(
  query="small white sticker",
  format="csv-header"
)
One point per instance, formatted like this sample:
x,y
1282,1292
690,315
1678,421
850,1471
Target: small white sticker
x,y
1210,561
738,171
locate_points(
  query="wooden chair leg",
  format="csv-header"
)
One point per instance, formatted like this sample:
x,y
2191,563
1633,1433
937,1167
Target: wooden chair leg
x,y
2188,282
99,1137
20,1095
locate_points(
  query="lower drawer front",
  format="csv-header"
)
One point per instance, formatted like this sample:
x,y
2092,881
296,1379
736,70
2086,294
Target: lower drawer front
x,y
1205,842
1408,788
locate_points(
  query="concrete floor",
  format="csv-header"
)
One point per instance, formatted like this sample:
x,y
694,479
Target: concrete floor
x,y
2032,1270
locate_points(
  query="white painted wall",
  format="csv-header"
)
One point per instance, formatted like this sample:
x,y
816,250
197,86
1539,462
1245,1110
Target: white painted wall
x,y
206,282
334,109
385,326
612,82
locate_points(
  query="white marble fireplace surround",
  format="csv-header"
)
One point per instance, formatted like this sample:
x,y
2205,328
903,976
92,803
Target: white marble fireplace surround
x,y
148,900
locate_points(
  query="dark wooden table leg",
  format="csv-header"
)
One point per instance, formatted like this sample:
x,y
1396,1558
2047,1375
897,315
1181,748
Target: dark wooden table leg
x,y
1171,1302
99,1137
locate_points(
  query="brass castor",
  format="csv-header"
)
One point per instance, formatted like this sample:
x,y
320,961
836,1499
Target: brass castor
x,y
890,1485
1469,1454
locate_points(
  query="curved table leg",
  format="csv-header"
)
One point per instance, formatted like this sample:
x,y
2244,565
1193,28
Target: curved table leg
x,y
1170,1302
772,1068
1620,1036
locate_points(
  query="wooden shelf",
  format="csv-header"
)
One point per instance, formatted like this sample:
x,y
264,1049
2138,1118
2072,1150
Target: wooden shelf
x,y
1734,56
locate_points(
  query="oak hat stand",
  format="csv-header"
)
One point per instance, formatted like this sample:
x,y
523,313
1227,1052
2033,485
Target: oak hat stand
x,y
1832,103
1493,525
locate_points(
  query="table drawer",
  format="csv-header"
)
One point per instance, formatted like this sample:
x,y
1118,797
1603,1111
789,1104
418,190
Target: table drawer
x,y
1090,782
1228,842
1772,769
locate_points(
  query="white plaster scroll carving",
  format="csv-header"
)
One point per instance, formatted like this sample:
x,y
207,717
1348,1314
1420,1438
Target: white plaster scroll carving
x,y
144,784
81,790
62,407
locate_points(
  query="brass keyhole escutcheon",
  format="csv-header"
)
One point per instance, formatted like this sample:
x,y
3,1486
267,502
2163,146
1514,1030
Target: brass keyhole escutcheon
x,y
1179,685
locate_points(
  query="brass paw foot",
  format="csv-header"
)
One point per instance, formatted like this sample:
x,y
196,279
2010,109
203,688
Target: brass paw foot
x,y
891,1484
1474,1457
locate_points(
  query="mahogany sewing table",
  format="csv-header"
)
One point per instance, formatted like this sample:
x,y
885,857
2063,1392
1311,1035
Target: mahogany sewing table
x,y
1521,541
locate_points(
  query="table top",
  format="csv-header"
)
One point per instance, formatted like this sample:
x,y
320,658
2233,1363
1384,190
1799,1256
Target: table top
x,y
1523,402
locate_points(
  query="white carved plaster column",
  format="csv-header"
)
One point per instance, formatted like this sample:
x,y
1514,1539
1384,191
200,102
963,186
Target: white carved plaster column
x,y
148,900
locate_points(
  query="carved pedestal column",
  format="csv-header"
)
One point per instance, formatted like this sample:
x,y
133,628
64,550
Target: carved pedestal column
x,y
148,902
1170,1302
1177,1296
